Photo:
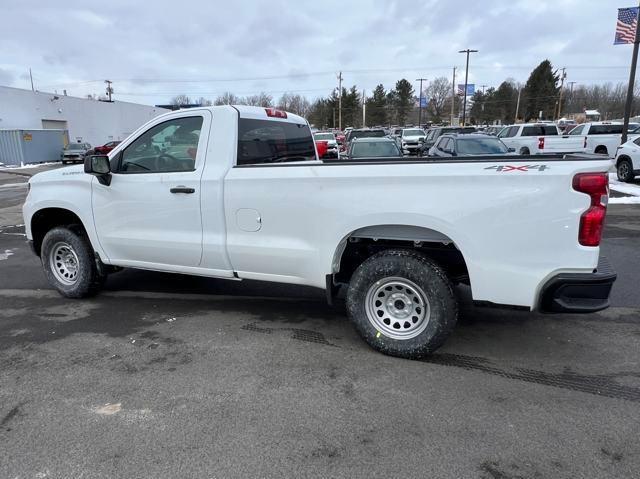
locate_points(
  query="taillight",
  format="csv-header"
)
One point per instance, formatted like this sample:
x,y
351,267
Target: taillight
x,y
596,185
275,113
541,143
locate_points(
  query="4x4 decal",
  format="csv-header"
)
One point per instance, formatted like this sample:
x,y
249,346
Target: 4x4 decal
x,y
504,168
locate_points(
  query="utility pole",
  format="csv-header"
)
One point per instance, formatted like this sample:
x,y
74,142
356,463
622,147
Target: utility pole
x,y
340,101
517,105
562,77
632,81
466,78
420,102
31,78
453,96
364,109
483,87
109,88
571,83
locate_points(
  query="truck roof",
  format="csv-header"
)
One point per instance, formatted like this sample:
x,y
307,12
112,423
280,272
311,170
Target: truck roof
x,y
252,112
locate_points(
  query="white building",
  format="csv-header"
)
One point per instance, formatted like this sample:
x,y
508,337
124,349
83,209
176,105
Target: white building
x,y
86,120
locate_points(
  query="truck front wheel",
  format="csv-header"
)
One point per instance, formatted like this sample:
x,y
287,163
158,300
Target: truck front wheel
x,y
402,304
69,264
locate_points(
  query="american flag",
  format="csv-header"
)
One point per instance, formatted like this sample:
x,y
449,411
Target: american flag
x,y
626,26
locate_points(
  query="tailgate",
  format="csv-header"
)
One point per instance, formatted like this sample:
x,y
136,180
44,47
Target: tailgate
x,y
561,144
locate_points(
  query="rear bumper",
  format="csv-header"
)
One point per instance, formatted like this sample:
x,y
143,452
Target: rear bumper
x,y
579,292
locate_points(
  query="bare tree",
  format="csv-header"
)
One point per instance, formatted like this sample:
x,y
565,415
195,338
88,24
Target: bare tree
x,y
202,101
227,98
181,100
438,92
294,103
261,99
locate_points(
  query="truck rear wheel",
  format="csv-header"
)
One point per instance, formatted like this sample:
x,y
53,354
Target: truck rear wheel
x,y
402,304
525,151
69,263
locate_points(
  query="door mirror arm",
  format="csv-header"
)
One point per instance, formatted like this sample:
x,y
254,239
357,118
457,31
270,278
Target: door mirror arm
x,y
100,167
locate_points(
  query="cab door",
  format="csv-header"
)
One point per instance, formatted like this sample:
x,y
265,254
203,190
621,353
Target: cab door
x,y
150,214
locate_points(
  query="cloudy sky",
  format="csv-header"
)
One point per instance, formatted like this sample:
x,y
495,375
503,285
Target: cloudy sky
x,y
158,49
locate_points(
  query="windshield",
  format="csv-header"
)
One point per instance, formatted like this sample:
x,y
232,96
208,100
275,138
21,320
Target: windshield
x,y
74,146
481,146
413,133
324,136
368,149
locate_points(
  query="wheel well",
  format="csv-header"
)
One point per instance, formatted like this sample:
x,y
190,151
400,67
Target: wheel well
x,y
601,149
523,149
622,158
357,250
47,219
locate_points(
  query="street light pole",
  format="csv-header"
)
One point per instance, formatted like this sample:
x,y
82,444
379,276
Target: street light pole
x,y
420,102
466,78
632,81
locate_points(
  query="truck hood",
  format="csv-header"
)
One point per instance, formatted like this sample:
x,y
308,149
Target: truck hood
x,y
412,138
66,174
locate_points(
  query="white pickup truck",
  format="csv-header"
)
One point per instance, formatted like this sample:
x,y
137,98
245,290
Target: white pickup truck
x,y
602,137
239,193
539,139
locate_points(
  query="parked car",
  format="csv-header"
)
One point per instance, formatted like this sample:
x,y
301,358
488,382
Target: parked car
x,y
106,148
365,133
256,203
539,139
411,139
472,144
373,148
434,133
493,130
74,152
628,160
603,137
332,143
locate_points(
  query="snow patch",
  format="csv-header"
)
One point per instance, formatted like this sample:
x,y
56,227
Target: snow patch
x,y
627,200
626,188
6,254
28,166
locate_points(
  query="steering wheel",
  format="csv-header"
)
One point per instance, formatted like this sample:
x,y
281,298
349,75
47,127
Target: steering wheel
x,y
166,162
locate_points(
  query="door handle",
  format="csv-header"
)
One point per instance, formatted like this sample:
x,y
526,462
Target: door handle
x,y
182,189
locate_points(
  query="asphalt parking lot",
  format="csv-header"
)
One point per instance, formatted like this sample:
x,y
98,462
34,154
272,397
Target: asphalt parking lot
x,y
171,376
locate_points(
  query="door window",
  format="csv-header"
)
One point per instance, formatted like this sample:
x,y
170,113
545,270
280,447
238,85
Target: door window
x,y
167,147
577,130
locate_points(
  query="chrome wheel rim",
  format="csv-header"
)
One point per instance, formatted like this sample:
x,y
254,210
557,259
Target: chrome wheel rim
x,y
623,170
398,308
64,263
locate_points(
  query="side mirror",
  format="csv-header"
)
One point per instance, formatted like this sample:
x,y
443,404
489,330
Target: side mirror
x,y
98,166
512,150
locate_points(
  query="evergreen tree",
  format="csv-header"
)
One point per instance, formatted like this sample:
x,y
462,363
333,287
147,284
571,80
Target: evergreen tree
x,y
377,107
541,92
403,100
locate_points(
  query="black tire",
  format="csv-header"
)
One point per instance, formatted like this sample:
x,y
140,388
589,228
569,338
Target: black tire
x,y
384,269
64,162
625,171
525,151
86,280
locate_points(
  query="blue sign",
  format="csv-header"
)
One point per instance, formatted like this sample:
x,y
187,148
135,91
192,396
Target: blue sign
x,y
471,89
424,102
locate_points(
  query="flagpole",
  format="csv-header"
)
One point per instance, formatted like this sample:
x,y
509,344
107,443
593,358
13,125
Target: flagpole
x,y
632,80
